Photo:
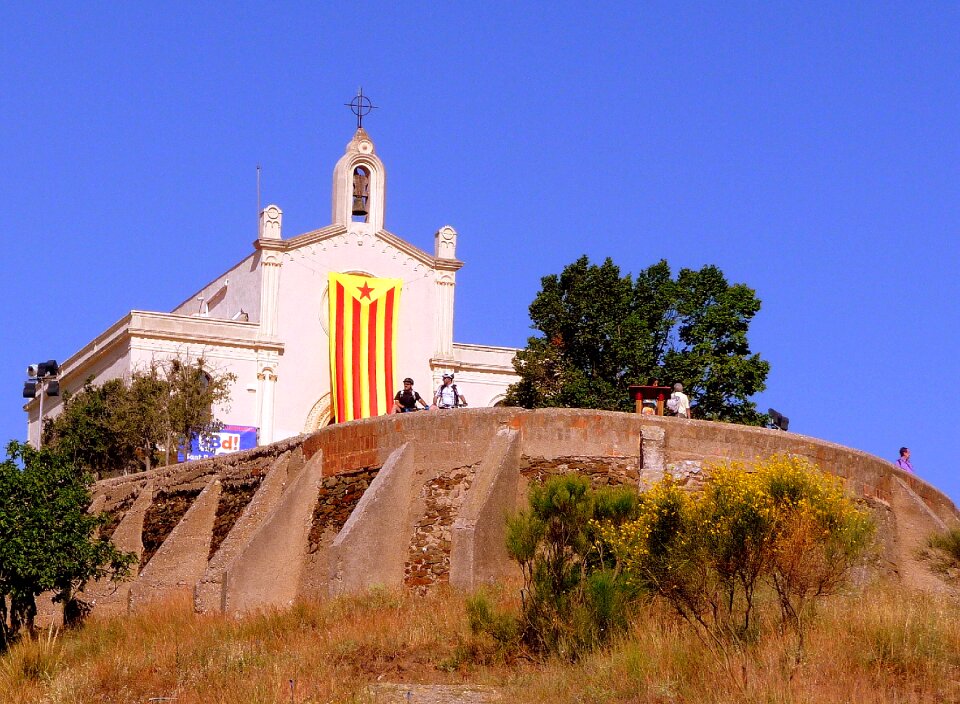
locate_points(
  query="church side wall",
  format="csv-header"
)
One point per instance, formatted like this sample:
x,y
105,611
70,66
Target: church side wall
x,y
227,300
484,372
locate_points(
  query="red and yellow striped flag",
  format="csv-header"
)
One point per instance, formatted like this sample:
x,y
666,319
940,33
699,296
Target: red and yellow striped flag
x,y
363,345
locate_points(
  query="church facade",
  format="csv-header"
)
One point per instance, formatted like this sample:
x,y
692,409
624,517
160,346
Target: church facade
x,y
267,319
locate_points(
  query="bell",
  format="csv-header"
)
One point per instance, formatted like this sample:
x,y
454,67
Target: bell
x,y
359,207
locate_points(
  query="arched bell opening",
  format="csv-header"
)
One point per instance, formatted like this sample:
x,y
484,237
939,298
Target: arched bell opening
x,y
360,209
359,185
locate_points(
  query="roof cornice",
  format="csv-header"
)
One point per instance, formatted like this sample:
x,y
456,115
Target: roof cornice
x,y
330,231
141,324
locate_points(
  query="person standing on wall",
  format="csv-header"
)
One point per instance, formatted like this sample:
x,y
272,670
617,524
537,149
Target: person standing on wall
x,y
679,403
904,461
447,395
406,401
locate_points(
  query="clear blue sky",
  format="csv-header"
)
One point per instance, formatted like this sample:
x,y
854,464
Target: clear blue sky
x,y
810,150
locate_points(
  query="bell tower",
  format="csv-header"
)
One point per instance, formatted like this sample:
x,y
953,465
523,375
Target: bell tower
x,y
359,184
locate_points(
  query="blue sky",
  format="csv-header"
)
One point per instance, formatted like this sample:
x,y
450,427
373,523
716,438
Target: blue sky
x,y
810,150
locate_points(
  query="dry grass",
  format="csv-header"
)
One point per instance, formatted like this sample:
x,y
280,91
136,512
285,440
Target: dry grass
x,y
880,646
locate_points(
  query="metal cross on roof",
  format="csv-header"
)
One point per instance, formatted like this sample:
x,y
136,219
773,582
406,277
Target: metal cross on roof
x,y
360,106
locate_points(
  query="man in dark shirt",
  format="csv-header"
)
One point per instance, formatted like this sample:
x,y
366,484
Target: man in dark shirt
x,y
406,401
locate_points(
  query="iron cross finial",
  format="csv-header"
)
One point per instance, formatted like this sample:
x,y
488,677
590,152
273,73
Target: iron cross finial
x,y
360,106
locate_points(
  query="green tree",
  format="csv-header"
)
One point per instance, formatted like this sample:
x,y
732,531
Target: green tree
x,y
600,331
194,390
121,425
48,540
146,409
94,429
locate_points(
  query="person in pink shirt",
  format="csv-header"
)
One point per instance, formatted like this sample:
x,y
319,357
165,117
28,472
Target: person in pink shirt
x,y
904,461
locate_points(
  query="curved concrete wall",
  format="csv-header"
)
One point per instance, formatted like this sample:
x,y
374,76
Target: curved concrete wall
x,y
484,460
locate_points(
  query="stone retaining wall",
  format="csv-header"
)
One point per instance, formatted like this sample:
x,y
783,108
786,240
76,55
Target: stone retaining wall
x,y
428,562
339,495
425,493
601,471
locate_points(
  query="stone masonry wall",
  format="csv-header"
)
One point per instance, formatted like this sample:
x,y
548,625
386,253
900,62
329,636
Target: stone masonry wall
x,y
236,494
601,471
428,562
166,511
610,448
338,496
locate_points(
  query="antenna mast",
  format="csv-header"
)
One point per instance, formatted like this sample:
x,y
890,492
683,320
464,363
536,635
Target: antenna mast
x,y
258,191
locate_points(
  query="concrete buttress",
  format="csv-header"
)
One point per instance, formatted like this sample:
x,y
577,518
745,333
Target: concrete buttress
x,y
266,572
112,597
208,594
183,557
371,547
478,551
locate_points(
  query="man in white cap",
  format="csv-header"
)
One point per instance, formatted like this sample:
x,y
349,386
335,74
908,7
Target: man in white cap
x,y
680,404
447,395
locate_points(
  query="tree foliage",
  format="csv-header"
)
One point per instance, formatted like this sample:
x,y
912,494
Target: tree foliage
x,y
48,540
131,425
600,331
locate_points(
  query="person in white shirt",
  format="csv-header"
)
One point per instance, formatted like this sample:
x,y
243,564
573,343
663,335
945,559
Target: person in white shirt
x,y
683,403
447,395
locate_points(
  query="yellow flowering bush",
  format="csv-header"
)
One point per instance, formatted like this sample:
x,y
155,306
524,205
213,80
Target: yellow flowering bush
x,y
777,527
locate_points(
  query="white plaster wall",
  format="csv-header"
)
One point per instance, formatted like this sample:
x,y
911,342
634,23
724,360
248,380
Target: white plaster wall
x,y
482,389
304,371
485,372
225,301
242,409
112,364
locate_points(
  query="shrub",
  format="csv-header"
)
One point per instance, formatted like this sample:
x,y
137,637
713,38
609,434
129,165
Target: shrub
x,y
573,598
780,524
485,618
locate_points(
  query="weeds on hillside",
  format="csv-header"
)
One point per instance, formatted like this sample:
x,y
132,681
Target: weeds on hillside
x,y
878,646
942,553
34,661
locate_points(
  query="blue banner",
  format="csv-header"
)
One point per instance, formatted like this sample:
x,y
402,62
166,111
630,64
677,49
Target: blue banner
x,y
231,438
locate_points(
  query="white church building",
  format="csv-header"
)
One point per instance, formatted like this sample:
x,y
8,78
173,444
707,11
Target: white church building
x,y
266,319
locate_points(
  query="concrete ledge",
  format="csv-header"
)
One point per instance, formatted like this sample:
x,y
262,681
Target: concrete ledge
x,y
478,552
208,594
112,597
266,572
371,548
182,559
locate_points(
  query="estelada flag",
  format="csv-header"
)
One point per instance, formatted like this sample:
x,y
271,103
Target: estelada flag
x,y
363,344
